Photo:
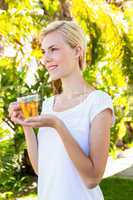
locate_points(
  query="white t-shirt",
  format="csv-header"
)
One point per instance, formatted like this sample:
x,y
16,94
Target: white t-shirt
x,y
58,178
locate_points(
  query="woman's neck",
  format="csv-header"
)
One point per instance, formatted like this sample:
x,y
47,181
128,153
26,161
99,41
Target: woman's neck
x,y
72,86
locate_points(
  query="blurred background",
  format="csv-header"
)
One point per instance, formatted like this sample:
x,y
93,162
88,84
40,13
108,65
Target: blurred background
x,y
108,27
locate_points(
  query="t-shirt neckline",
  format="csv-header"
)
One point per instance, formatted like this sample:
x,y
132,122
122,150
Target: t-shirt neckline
x,y
74,107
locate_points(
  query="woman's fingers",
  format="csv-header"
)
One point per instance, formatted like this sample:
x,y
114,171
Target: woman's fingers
x,y
16,113
14,110
33,119
14,106
32,124
16,120
16,116
20,115
20,121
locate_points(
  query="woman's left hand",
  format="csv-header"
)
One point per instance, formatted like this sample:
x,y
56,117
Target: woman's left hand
x,y
46,120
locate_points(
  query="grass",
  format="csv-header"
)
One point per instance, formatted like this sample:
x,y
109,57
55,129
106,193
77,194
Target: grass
x,y
29,197
11,196
114,188
117,188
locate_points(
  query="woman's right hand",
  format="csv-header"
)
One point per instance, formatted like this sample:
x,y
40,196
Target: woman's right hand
x,y
15,113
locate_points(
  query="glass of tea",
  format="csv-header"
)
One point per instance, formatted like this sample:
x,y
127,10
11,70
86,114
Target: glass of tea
x,y
29,105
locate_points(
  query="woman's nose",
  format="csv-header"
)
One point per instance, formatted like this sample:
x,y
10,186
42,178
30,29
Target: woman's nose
x,y
46,58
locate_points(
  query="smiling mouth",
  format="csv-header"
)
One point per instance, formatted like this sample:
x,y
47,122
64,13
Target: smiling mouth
x,y
52,67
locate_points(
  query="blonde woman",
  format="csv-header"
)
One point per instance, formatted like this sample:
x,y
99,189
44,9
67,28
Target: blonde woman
x,y
70,152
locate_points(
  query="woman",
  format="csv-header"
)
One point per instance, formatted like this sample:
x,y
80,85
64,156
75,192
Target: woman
x,y
70,152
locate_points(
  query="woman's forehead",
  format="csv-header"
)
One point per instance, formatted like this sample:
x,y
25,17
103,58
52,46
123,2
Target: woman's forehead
x,y
53,38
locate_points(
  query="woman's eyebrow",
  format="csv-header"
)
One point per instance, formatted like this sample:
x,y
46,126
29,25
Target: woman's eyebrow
x,y
53,45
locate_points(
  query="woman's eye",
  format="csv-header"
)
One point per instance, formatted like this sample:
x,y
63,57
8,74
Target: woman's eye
x,y
43,52
54,49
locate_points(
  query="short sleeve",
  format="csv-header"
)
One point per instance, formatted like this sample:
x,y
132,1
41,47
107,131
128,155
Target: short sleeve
x,y
101,101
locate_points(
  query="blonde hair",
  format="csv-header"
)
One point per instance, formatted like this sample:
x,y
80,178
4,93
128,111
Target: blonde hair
x,y
73,35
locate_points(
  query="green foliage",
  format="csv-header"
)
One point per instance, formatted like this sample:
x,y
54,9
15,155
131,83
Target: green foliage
x,y
109,54
20,23
12,180
8,164
108,30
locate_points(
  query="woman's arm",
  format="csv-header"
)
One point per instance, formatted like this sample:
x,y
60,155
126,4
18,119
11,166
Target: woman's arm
x,y
91,168
31,142
16,116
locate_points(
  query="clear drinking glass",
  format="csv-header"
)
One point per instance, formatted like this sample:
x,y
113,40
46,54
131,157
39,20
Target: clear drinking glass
x,y
29,105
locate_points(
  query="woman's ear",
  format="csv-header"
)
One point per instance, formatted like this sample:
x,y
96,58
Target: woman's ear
x,y
78,51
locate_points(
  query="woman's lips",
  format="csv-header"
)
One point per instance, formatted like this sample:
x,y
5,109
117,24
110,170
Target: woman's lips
x,y
52,67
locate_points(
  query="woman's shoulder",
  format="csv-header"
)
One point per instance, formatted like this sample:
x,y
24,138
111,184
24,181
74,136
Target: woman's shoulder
x,y
100,102
101,93
100,98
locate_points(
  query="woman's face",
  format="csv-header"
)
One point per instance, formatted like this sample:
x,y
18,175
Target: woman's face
x,y
58,57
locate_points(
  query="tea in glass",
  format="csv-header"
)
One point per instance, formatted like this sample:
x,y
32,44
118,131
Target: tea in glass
x,y
29,105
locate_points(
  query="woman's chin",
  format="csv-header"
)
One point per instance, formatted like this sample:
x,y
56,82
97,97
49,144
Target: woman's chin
x,y
54,78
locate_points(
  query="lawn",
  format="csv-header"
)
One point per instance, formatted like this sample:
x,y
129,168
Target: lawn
x,y
114,188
